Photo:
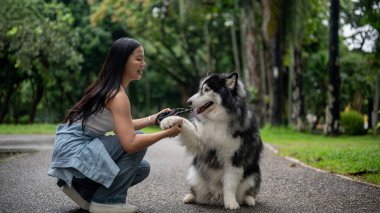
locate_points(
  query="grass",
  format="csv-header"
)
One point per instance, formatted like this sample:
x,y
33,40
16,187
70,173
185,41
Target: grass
x,y
45,129
354,156
27,129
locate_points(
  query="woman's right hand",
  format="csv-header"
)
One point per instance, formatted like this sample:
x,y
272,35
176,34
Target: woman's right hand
x,y
174,130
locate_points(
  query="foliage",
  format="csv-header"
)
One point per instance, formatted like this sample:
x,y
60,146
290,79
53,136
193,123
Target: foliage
x,y
357,78
52,50
352,122
39,46
174,34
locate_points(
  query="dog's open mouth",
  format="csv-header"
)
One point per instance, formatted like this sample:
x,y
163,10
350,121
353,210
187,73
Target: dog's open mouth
x,y
204,107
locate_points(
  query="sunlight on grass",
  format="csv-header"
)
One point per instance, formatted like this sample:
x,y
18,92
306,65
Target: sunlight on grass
x,y
357,156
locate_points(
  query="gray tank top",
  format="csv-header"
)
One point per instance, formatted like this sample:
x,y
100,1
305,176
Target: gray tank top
x,y
101,122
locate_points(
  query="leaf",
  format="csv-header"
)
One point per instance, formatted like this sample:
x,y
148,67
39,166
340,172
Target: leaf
x,y
12,31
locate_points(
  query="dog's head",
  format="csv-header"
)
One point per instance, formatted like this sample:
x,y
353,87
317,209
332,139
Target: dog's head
x,y
218,96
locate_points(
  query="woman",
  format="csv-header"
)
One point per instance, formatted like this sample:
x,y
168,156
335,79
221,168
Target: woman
x,y
95,170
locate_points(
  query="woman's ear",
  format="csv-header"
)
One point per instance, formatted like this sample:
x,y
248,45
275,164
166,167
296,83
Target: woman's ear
x,y
231,80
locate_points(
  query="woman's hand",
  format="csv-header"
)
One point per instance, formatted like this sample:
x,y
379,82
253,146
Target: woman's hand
x,y
154,116
175,129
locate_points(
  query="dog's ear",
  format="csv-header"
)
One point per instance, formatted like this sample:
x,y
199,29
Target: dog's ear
x,y
231,80
209,73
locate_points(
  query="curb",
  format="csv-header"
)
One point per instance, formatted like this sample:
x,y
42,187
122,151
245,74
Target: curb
x,y
294,160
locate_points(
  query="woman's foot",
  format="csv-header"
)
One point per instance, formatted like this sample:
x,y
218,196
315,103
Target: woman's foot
x,y
112,208
75,196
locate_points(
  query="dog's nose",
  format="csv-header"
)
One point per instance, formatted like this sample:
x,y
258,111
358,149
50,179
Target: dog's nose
x,y
189,102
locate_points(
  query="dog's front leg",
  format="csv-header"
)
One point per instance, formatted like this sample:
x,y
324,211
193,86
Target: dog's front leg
x,y
189,135
231,180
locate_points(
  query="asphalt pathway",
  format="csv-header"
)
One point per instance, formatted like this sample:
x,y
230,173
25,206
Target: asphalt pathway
x,y
286,187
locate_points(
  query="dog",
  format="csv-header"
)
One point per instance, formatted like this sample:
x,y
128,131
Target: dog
x,y
224,142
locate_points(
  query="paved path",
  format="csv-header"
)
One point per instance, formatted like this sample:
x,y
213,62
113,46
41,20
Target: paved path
x,y
25,187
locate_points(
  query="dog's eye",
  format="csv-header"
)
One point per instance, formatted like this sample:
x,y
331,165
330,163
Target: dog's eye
x,y
206,89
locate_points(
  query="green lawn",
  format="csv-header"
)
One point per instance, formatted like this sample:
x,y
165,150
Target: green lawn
x,y
354,156
44,129
28,129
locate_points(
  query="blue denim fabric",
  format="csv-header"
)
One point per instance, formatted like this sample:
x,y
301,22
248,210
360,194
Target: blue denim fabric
x,y
77,153
84,155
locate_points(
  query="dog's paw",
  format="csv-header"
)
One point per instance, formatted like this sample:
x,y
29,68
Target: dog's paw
x,y
249,200
189,198
231,204
170,121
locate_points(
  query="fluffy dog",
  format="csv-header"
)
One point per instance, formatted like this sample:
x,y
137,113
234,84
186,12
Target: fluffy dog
x,y
224,142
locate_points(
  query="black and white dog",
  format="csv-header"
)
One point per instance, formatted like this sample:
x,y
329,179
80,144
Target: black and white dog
x,y
224,141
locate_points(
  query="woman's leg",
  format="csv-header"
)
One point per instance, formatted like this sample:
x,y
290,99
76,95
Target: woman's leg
x,y
132,171
142,172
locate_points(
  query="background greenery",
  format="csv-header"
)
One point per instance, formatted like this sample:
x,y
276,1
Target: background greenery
x,y
284,51
52,50
354,156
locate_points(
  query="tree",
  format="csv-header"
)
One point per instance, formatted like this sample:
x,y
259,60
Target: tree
x,y
38,47
255,76
281,32
183,39
332,125
365,25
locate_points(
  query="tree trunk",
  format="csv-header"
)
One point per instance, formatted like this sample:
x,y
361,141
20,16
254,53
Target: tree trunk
x,y
37,96
332,125
269,79
235,49
277,81
264,91
298,107
209,63
290,102
5,103
185,94
376,104
12,83
251,54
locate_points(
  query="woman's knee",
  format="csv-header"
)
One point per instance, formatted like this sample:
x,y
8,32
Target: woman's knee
x,y
144,168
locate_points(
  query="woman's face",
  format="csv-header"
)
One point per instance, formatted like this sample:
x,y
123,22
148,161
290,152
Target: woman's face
x,y
135,65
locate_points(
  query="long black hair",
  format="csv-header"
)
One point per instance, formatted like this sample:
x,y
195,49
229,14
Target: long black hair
x,y
107,83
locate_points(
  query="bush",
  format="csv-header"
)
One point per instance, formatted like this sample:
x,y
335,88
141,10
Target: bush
x,y
352,123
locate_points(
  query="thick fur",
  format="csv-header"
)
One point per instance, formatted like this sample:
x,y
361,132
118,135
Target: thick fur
x,y
224,142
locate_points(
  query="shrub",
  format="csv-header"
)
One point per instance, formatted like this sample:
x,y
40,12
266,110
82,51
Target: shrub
x,y
352,122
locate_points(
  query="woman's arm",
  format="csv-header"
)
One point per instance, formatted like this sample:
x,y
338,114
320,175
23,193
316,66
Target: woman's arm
x,y
147,121
143,122
125,126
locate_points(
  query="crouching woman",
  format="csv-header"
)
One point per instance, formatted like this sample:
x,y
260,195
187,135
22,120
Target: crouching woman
x,y
96,170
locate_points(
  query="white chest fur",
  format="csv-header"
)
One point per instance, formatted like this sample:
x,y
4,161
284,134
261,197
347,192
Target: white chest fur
x,y
216,135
